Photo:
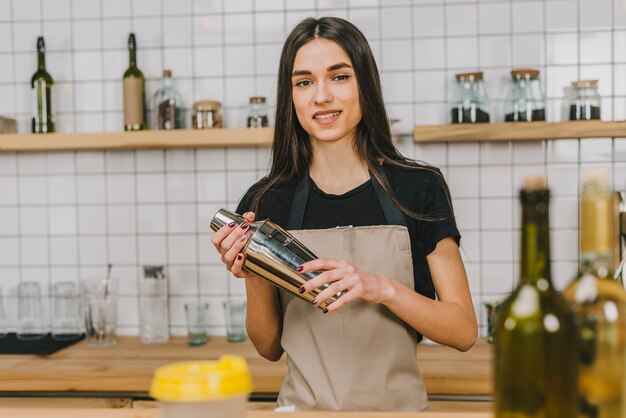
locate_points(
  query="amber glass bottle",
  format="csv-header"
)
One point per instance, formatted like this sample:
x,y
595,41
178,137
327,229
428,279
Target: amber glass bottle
x,y
535,353
599,303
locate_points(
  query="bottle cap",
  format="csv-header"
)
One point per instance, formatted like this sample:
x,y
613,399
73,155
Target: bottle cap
x,y
471,76
525,73
207,105
257,99
534,183
167,73
585,83
202,380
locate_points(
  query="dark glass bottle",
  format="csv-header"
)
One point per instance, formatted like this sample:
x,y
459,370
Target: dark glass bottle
x,y
535,348
168,111
134,91
41,84
599,303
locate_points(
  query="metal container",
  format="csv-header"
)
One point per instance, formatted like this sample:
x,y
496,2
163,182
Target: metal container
x,y
273,254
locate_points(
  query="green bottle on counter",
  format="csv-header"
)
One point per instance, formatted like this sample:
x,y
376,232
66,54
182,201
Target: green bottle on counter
x,y
535,346
134,91
41,85
599,303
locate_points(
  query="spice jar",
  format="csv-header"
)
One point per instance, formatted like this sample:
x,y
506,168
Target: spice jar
x,y
585,103
526,102
257,115
206,114
469,101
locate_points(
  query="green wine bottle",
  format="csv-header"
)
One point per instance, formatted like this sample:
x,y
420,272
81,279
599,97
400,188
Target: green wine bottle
x,y
535,352
134,91
41,84
599,304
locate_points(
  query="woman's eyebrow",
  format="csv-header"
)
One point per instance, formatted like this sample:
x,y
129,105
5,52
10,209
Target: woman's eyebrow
x,y
333,67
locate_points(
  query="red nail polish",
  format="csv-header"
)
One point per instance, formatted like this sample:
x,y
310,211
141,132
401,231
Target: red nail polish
x,y
231,225
239,257
244,226
300,268
325,310
301,290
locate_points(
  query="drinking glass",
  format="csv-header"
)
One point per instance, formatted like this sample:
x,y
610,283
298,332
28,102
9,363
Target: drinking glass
x,y
100,311
197,315
235,313
31,323
65,312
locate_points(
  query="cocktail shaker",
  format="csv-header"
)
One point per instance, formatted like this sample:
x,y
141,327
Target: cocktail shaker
x,y
273,254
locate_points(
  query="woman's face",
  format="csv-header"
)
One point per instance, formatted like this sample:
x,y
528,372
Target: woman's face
x,y
325,92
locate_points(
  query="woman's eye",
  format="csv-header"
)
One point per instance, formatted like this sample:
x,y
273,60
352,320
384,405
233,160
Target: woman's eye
x,y
303,83
341,77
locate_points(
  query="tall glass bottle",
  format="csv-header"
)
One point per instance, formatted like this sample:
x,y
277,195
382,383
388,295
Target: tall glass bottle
x,y
134,91
168,112
535,354
599,303
41,84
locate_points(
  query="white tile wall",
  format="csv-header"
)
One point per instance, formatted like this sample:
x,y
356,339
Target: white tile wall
x,y
66,215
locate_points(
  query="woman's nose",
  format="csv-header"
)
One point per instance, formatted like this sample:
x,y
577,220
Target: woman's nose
x,y
323,94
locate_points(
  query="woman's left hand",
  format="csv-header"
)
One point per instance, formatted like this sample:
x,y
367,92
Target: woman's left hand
x,y
342,276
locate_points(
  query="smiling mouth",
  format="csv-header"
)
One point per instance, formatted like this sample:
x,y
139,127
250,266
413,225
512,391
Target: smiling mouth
x,y
326,115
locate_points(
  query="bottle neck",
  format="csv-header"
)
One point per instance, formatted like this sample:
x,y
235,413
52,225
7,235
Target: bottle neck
x,y
132,49
535,237
132,58
41,54
596,249
167,82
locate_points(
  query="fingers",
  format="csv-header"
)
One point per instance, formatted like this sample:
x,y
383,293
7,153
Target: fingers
x,y
333,289
220,234
322,264
230,255
237,267
249,216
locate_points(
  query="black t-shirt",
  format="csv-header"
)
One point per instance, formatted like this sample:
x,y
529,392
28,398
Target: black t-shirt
x,y
420,190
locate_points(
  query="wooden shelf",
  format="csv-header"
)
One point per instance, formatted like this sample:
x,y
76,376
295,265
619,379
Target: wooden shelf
x,y
518,131
180,138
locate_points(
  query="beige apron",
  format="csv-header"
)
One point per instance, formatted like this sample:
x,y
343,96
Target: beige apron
x,y
361,357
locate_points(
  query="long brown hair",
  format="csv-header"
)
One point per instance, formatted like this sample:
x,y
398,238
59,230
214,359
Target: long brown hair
x,y
291,148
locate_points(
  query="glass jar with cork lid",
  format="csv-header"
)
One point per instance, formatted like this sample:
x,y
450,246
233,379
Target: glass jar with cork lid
x,y
585,103
257,114
526,102
469,100
206,114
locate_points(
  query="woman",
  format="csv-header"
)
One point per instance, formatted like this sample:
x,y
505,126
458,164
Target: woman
x,y
381,224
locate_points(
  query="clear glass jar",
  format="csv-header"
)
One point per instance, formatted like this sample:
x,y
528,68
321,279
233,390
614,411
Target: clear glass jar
x,y
168,110
206,114
153,306
257,115
526,102
585,102
469,100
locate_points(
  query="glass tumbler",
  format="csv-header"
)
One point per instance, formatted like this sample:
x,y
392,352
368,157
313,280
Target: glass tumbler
x,y
65,312
197,315
31,324
100,311
235,313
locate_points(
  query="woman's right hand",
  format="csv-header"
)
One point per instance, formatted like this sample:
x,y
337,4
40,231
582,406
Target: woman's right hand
x,y
229,240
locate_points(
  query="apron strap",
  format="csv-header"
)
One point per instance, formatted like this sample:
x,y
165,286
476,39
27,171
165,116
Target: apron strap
x,y
392,213
301,196
298,204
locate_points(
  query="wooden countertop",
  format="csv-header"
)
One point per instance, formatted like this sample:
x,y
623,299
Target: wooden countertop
x,y
153,413
128,367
